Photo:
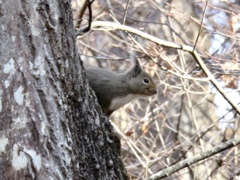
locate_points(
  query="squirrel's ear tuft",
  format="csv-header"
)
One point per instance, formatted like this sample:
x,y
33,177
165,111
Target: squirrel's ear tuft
x,y
136,68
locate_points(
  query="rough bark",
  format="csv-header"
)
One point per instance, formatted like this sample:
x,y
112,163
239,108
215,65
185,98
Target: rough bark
x,y
50,125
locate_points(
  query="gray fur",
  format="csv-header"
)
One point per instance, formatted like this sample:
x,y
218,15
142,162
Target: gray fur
x,y
109,85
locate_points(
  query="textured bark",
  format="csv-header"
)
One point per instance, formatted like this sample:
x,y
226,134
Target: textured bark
x,y
50,125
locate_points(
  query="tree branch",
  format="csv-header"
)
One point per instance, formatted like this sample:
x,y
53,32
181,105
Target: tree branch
x,y
201,156
87,4
201,25
112,26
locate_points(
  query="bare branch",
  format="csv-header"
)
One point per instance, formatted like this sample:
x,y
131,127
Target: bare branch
x,y
87,4
201,26
112,26
201,156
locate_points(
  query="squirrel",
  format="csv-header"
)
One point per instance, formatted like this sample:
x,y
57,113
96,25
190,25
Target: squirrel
x,y
115,90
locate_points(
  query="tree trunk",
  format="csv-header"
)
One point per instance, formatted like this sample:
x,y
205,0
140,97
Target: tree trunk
x,y
50,124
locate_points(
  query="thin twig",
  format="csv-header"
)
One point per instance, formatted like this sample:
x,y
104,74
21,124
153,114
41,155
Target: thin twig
x,y
87,4
125,12
80,13
201,25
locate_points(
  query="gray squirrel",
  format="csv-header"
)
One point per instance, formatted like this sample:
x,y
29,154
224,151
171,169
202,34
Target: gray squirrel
x,y
115,90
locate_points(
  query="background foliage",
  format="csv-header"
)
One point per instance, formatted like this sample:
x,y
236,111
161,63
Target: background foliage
x,y
188,115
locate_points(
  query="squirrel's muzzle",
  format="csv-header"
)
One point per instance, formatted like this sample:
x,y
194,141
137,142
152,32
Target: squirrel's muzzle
x,y
152,91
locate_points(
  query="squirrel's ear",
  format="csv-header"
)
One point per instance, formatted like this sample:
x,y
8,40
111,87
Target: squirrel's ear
x,y
136,68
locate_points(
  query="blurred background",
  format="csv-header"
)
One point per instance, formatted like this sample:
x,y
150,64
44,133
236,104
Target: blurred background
x,y
188,115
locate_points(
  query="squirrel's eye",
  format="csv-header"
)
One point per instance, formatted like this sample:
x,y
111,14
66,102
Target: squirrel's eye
x,y
145,80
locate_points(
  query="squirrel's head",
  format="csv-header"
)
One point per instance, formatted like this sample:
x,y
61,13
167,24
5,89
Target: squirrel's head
x,y
140,82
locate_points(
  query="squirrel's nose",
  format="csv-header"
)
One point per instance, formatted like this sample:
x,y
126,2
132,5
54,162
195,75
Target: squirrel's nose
x,y
153,91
